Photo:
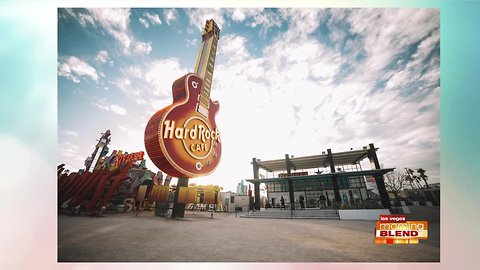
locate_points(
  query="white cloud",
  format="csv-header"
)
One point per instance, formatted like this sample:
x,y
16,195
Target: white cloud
x,y
192,42
130,131
118,110
124,39
111,108
240,14
290,90
233,48
427,45
265,20
160,75
69,133
141,101
143,48
302,21
112,19
131,81
386,32
158,103
82,18
68,149
143,22
198,17
148,19
65,71
125,85
135,71
259,16
102,56
115,21
170,15
85,19
73,67
153,18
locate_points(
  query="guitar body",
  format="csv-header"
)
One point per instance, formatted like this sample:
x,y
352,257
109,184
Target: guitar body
x,y
181,140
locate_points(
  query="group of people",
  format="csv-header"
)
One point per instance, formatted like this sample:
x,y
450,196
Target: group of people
x,y
321,202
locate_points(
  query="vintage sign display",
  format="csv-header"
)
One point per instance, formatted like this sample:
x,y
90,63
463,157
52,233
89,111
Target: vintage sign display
x,y
182,139
187,195
209,196
159,193
142,191
92,190
124,158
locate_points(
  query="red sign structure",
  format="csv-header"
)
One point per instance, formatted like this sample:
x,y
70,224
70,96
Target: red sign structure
x,y
182,139
76,189
124,158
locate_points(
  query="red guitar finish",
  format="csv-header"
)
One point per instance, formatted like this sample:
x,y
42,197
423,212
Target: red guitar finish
x,y
182,139
178,139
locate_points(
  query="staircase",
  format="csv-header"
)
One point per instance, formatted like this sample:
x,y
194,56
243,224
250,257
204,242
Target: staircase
x,y
297,214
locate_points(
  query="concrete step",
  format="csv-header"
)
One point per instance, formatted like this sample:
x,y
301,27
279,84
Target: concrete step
x,y
305,214
285,217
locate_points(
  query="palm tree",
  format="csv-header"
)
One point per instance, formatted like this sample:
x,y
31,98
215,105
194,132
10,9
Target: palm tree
x,y
423,176
417,181
411,178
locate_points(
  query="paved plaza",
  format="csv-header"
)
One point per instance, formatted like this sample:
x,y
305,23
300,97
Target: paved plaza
x,y
225,238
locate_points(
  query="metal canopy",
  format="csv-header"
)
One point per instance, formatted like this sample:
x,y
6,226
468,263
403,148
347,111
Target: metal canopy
x,y
322,176
316,161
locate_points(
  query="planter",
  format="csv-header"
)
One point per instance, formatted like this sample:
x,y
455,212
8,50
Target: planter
x,y
362,214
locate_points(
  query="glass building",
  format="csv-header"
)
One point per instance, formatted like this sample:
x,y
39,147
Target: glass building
x,y
338,176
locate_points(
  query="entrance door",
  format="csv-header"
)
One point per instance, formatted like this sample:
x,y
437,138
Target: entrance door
x,y
227,204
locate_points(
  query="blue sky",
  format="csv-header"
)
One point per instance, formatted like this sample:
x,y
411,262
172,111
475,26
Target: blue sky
x,y
294,81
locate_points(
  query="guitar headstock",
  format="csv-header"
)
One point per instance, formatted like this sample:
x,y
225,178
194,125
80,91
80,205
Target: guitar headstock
x,y
211,26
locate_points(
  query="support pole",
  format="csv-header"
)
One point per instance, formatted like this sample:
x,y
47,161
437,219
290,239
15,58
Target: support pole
x,y
372,156
256,186
334,177
257,195
290,183
256,167
179,208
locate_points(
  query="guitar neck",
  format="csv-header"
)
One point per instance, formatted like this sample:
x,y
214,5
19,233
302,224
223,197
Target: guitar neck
x,y
206,61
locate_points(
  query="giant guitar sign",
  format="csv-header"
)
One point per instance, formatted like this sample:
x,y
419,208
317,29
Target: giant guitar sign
x,y
182,139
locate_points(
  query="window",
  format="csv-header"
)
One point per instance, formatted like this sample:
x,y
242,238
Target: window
x,y
356,182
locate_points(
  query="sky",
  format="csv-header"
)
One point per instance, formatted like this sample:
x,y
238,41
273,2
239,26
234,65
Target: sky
x,y
296,81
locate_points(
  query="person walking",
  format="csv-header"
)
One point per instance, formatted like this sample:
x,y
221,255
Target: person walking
x,y
322,201
302,202
282,203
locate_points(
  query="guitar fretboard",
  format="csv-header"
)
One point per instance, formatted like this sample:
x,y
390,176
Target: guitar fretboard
x,y
206,60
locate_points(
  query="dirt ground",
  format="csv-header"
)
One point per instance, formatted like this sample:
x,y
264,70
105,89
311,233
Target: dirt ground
x,y
225,238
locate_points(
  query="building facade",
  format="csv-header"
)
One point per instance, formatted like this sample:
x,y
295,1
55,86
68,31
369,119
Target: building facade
x,y
242,188
338,176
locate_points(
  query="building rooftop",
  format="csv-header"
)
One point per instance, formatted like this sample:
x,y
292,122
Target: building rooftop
x,y
320,176
317,161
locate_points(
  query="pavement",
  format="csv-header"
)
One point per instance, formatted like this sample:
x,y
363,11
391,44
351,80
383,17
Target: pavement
x,y
226,238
